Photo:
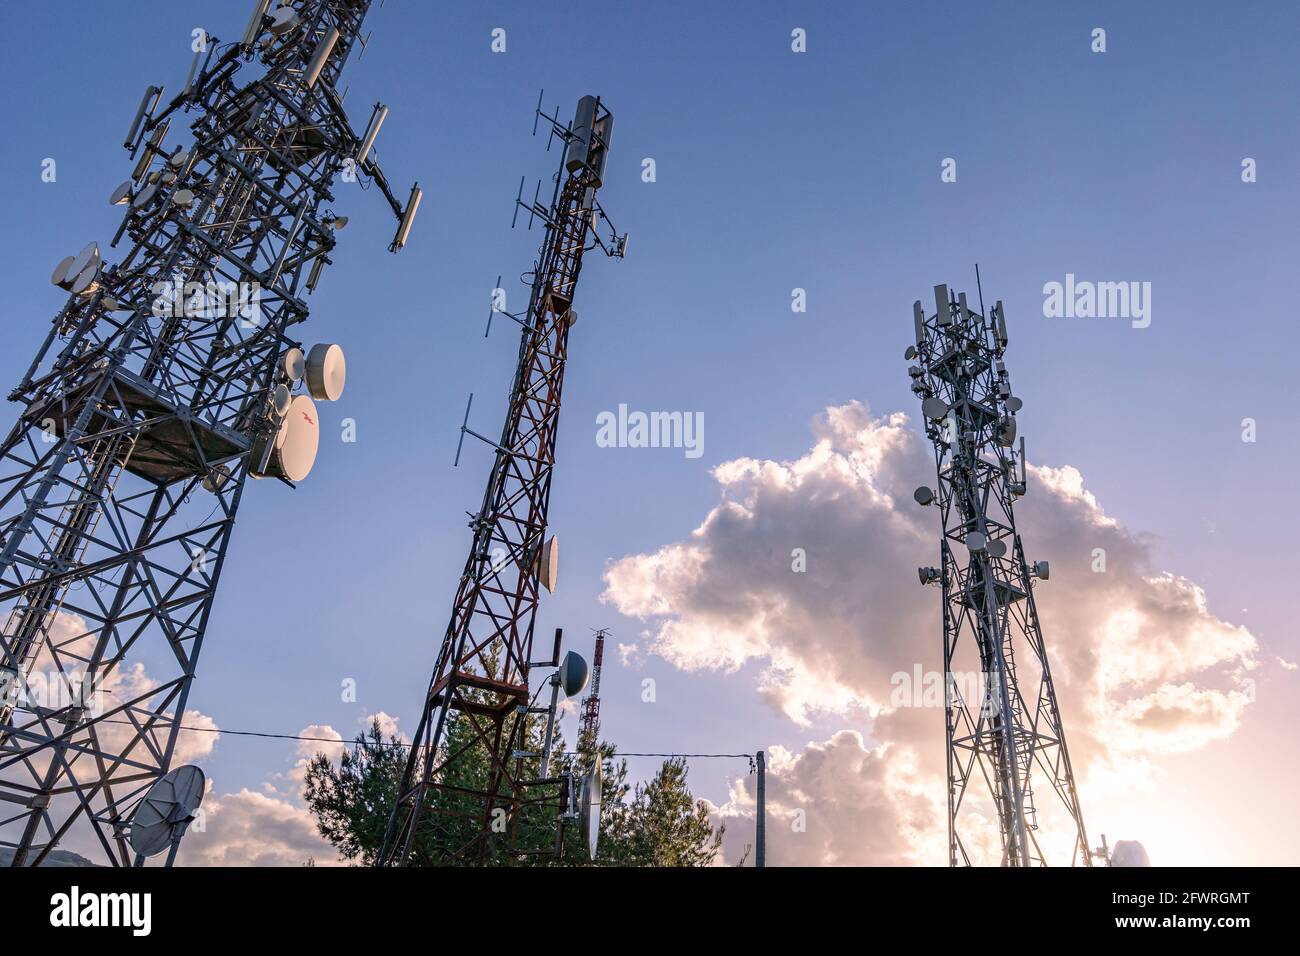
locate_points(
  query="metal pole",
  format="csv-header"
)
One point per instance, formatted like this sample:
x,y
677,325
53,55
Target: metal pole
x,y
760,822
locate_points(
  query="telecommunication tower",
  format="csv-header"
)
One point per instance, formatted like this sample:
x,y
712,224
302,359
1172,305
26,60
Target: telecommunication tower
x,y
166,380
589,728
1007,735
481,672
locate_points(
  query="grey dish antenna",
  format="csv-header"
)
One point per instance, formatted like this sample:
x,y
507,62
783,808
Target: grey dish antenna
x,y
934,408
166,810
589,811
573,674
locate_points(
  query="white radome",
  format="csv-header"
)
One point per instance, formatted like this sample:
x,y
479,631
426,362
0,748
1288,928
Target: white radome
x,y
327,372
294,450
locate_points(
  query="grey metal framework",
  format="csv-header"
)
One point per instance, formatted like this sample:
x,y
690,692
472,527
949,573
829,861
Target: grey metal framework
x,y
1007,737
120,482
482,667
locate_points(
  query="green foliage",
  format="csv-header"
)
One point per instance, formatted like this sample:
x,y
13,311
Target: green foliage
x,y
662,825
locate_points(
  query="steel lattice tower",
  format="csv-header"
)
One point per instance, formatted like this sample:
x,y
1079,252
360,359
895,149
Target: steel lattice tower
x,y
120,482
1011,737
482,667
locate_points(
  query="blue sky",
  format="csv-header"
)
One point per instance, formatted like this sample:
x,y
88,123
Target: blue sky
x,y
774,171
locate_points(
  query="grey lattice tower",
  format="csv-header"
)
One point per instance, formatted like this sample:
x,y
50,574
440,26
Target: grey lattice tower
x,y
166,379
1004,731
481,673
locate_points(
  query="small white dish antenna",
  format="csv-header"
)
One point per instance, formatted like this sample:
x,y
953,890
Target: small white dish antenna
x,y
60,275
183,198
283,20
281,398
1014,404
293,364
976,540
548,564
910,353
179,158
934,408
121,195
1042,570
162,817
997,548
589,812
144,196
338,222
923,495
83,259
327,372
573,674
87,282
1129,853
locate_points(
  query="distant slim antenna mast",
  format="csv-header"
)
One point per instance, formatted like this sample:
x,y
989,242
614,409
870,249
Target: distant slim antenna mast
x,y
481,672
1008,735
144,413
589,728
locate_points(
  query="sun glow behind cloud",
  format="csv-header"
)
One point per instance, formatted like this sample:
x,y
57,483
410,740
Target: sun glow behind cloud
x,y
1143,670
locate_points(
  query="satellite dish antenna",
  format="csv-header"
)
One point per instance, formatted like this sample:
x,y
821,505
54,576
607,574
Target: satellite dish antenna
x,y
934,408
83,259
178,158
293,364
976,540
589,813
121,195
161,818
910,354
327,372
547,566
281,398
923,495
294,446
60,274
1007,431
283,20
86,281
1129,853
183,198
144,196
1014,404
338,222
996,548
573,674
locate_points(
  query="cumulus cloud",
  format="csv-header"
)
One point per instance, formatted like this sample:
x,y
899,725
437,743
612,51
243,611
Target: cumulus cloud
x,y
807,567
247,828
242,828
837,803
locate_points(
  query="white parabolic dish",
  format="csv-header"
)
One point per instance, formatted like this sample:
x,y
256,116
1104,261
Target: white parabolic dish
x,y
327,372
166,810
297,441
